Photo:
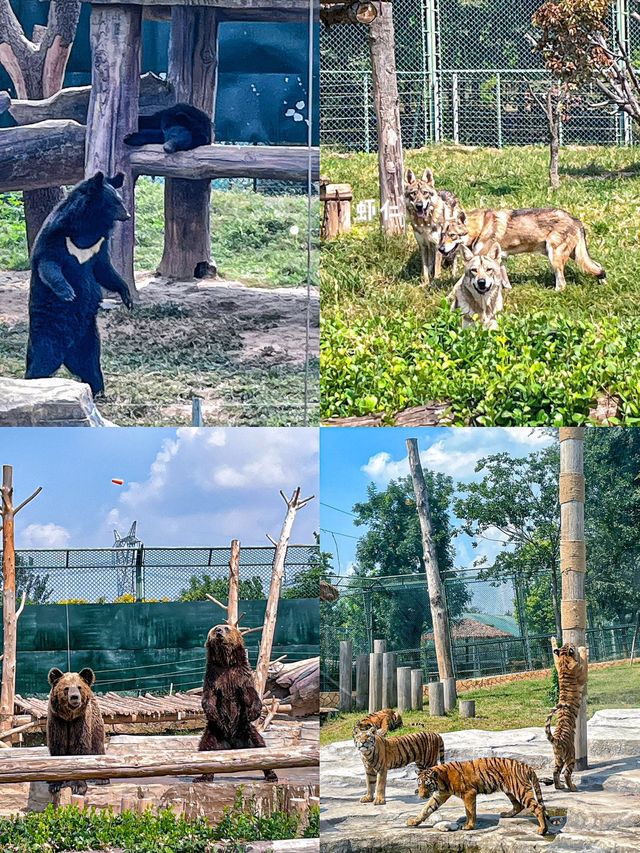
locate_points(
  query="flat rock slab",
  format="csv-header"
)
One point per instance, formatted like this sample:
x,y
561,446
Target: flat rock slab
x,y
48,402
604,815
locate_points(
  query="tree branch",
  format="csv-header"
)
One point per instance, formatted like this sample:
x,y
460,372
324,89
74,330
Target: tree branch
x,y
27,501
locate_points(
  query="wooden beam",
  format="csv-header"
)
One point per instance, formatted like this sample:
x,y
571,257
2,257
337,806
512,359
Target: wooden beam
x,y
193,72
73,102
77,767
46,154
115,37
573,561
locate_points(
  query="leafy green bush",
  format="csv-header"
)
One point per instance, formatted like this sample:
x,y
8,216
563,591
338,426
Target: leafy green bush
x,y
535,370
67,828
200,587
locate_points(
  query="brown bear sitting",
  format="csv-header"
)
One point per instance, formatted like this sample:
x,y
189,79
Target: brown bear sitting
x,y
229,698
74,721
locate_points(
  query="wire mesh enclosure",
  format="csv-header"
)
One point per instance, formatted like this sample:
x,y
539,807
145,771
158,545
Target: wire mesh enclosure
x,y
494,628
465,68
104,575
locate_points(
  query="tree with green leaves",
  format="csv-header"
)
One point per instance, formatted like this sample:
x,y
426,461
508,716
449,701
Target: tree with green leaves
x,y
516,504
200,587
28,581
306,582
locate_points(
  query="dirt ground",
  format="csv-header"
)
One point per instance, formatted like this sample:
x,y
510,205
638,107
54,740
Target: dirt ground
x,y
241,348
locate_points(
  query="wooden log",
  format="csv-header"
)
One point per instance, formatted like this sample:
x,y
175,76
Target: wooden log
x,y
404,688
50,153
389,679
113,113
387,106
234,582
362,682
416,690
336,216
346,662
449,687
573,562
379,646
193,71
375,681
467,708
437,601
72,103
133,766
277,162
436,699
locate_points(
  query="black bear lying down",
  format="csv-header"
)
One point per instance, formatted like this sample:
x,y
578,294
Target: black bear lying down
x,y
178,128
69,266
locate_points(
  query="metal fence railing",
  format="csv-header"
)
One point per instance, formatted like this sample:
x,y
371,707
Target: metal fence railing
x,y
464,71
101,575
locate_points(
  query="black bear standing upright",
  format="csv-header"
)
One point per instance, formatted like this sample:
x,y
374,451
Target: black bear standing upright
x,y
69,266
178,128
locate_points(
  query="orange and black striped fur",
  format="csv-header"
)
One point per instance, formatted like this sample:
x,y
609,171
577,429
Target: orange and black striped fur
x,y
572,665
467,779
385,721
380,754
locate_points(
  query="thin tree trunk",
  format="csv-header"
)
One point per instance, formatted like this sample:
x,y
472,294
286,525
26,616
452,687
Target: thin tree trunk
x,y
553,117
234,582
439,616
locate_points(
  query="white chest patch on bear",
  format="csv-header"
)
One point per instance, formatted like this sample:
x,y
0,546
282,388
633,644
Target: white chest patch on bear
x,y
83,255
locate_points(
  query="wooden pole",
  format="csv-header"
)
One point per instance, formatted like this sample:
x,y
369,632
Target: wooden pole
x,y
193,72
417,701
386,100
467,708
375,681
294,503
449,687
10,617
389,679
346,663
115,35
76,767
573,562
379,646
404,688
439,616
362,682
234,582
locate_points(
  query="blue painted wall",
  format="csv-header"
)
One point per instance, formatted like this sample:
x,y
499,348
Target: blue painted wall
x,y
263,74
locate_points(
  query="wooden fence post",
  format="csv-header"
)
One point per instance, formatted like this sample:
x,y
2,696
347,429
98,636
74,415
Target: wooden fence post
x,y
417,701
436,699
389,679
449,686
404,688
362,682
375,681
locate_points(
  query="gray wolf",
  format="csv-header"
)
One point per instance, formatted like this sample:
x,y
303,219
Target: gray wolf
x,y
479,292
429,211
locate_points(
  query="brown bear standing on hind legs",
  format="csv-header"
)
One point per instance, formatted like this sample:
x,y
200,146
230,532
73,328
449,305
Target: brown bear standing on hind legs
x,y
229,697
74,722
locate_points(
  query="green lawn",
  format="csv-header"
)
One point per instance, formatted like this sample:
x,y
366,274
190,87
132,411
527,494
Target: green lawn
x,y
388,344
511,706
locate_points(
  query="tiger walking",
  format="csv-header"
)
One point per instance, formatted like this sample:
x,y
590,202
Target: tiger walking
x,y
385,721
380,754
467,779
572,666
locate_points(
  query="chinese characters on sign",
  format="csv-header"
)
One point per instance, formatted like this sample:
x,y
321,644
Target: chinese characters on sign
x,y
366,211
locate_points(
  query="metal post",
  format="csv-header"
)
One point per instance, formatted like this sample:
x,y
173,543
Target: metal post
x,y
455,102
139,574
432,65
499,108
622,32
425,80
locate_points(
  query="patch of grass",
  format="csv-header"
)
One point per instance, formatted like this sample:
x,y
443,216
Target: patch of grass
x,y
251,238
375,311
513,705
67,829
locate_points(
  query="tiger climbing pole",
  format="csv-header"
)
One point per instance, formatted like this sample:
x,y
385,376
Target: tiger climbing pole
x,y
573,561
10,616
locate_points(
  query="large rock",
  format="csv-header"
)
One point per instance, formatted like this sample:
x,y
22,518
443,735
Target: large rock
x,y
48,402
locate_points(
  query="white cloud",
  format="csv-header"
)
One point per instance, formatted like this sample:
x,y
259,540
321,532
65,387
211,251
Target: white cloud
x,y
45,536
209,486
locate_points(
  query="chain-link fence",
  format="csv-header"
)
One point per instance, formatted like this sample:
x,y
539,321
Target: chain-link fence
x,y
494,626
465,68
102,575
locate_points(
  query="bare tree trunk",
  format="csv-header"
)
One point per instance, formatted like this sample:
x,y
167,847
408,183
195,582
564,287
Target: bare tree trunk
x,y
385,88
234,582
554,109
277,573
439,616
36,68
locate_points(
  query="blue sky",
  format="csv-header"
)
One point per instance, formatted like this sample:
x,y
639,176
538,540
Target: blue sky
x,y
353,458
185,487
